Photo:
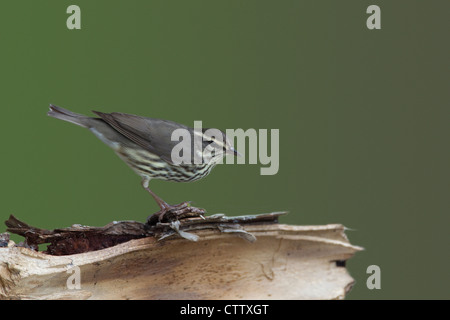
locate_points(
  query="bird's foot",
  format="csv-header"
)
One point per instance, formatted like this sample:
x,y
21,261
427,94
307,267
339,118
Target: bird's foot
x,y
175,212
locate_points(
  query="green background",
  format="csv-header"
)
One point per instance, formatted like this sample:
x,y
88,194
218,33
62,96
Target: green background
x,y
363,117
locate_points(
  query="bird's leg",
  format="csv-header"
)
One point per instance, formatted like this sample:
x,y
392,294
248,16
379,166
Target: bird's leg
x,y
161,203
182,210
164,206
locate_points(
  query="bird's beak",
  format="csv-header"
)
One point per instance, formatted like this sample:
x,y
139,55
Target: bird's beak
x,y
234,152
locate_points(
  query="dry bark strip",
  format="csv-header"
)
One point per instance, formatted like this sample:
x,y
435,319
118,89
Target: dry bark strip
x,y
219,257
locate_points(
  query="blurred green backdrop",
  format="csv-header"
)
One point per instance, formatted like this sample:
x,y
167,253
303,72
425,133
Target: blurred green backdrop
x,y
363,117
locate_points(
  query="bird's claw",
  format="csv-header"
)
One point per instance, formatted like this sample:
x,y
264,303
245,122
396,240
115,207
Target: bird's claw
x,y
175,212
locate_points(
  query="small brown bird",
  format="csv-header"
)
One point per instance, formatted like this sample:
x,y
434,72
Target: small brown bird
x,y
146,145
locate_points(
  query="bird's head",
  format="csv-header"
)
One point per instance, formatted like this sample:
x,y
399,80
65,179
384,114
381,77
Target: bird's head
x,y
216,145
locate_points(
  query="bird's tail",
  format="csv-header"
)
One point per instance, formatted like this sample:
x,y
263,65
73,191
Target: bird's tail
x,y
66,115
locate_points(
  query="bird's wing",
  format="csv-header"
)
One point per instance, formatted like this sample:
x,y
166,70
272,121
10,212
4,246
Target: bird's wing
x,y
153,135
